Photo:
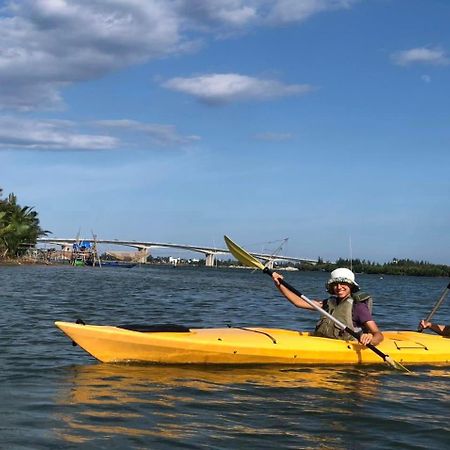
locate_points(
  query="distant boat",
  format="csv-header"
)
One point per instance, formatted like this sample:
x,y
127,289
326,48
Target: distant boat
x,y
121,264
78,262
118,264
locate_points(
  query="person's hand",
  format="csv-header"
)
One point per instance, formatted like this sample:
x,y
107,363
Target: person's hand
x,y
276,277
366,338
424,324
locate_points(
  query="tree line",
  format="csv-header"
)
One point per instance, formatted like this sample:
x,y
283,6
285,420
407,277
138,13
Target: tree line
x,y
19,227
394,267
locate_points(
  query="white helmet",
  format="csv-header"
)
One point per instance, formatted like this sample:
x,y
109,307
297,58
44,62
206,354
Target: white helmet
x,y
342,275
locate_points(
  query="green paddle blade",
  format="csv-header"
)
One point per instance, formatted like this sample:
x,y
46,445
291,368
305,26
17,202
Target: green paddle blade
x,y
242,256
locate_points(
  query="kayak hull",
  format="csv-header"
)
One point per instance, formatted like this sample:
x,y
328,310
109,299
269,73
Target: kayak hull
x,y
249,346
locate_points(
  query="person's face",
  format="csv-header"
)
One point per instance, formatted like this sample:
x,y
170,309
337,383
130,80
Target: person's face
x,y
341,290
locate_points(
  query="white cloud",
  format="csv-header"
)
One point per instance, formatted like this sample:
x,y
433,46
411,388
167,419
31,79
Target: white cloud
x,y
46,45
27,134
224,88
421,55
285,11
207,15
159,134
210,14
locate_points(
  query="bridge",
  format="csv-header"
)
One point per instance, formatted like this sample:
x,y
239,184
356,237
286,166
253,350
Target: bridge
x,y
144,247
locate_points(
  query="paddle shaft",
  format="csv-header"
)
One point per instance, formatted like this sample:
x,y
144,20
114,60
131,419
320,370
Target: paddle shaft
x,y
322,311
436,306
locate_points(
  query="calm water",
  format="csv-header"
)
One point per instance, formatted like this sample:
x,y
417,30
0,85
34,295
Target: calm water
x,y
55,396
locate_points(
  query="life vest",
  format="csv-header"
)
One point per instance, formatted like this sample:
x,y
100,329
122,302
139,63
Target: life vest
x,y
342,312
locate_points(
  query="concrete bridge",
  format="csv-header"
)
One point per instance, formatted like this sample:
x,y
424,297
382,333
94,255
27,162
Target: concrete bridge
x,y
144,247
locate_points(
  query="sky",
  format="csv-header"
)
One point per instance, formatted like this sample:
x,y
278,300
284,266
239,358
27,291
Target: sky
x,y
323,121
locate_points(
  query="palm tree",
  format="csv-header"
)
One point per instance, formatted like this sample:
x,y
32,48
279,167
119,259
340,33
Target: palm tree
x,y
19,227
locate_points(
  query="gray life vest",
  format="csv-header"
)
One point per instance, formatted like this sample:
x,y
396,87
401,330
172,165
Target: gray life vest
x,y
342,312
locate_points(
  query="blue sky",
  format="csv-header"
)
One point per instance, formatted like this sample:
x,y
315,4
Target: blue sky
x,y
325,121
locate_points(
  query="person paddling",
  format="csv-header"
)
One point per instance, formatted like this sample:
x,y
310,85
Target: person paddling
x,y
345,304
443,330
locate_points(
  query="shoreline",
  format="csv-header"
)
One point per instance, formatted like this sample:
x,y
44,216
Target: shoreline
x,y
27,262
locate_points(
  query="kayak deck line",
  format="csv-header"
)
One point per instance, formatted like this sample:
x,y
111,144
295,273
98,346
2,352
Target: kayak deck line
x,y
256,331
398,344
249,345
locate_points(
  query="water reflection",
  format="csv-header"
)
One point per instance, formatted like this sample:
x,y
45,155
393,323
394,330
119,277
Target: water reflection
x,y
100,383
163,402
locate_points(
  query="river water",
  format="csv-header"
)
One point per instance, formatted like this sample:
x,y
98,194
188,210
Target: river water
x,y
55,396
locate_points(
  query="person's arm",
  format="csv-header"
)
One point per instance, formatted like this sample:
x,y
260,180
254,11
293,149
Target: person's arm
x,y
363,317
443,330
293,298
372,334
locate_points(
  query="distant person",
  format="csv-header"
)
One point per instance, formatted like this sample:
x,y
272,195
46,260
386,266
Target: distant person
x,y
443,330
353,310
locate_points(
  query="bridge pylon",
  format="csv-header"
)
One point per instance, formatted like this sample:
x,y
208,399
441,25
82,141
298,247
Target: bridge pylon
x,y
142,255
210,260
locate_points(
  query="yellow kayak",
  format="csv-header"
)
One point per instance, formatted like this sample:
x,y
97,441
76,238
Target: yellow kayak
x,y
248,346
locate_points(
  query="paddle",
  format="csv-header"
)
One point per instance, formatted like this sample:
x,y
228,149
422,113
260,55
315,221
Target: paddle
x,y
245,258
436,306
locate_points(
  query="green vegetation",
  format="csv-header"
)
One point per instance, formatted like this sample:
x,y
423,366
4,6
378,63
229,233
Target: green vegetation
x,y
394,267
19,227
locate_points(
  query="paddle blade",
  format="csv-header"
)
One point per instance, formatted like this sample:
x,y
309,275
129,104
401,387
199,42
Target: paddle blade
x,y
396,365
243,256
